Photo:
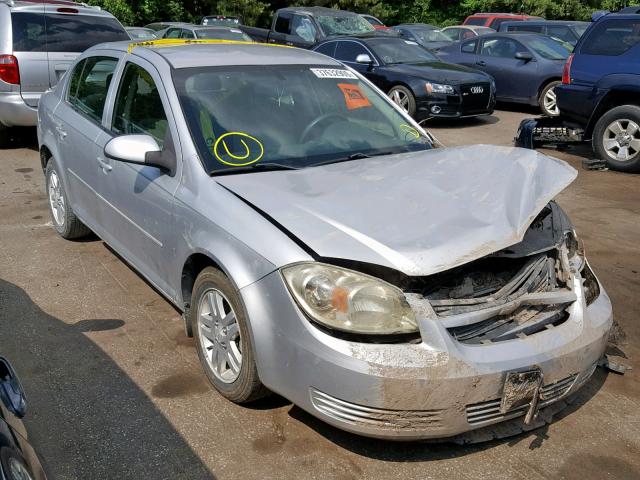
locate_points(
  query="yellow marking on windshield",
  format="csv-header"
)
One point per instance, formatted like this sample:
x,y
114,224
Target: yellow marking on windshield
x,y
253,153
175,42
410,130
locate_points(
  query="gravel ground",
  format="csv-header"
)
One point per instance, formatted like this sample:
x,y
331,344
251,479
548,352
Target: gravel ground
x,y
115,389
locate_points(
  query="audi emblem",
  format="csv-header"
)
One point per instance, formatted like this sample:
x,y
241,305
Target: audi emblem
x,y
477,90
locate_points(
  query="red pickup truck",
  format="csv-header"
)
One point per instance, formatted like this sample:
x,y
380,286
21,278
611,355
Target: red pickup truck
x,y
493,20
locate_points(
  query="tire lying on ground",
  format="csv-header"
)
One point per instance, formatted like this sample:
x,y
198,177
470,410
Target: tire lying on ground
x,y
616,138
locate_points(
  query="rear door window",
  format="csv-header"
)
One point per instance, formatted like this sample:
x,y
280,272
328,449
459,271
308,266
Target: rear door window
x,y
612,38
500,48
89,85
28,32
76,33
469,47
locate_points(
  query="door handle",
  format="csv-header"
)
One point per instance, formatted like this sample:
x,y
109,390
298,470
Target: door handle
x,y
106,168
482,63
61,132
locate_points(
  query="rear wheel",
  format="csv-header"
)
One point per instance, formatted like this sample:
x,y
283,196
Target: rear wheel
x,y
222,337
4,136
547,100
403,97
616,138
64,220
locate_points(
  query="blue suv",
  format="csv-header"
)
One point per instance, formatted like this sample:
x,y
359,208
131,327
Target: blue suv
x,y
601,89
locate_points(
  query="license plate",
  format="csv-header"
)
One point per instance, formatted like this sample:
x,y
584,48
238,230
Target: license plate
x,y
521,388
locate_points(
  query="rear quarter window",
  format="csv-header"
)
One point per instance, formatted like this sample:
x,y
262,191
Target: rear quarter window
x,y
76,33
28,32
612,38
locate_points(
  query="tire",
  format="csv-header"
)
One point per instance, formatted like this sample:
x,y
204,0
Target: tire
x,y
403,97
64,220
4,136
14,465
224,348
617,129
547,99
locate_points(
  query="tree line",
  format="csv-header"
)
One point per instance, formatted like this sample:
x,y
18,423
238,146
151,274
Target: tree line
x,y
437,12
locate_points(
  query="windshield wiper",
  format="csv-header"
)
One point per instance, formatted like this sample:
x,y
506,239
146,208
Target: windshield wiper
x,y
255,167
353,156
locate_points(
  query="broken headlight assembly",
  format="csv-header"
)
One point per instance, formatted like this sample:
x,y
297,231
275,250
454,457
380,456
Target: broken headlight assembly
x,y
578,262
349,301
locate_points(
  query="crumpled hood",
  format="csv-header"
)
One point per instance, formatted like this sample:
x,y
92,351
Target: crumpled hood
x,y
419,213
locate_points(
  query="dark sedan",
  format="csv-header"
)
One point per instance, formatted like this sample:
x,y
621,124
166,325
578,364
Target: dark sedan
x,y
526,67
18,460
414,78
428,36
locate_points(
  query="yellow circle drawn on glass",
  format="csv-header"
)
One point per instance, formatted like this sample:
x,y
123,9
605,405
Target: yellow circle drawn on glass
x,y
410,130
242,160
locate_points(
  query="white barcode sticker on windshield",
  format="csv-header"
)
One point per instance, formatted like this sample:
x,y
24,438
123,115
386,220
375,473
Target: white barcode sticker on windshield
x,y
333,73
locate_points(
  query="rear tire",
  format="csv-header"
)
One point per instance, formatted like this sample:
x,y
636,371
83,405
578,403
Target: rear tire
x,y
64,220
403,97
616,138
223,340
4,136
547,100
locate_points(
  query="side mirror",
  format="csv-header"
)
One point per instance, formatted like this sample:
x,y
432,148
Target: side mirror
x,y
525,56
11,392
141,150
364,59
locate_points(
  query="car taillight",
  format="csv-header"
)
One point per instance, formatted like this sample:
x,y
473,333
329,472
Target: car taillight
x,y
9,71
566,72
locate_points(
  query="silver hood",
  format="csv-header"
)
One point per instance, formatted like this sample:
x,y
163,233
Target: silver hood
x,y
419,213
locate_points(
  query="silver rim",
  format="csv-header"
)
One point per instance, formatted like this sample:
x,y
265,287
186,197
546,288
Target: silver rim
x,y
550,103
18,470
220,336
400,98
621,140
56,198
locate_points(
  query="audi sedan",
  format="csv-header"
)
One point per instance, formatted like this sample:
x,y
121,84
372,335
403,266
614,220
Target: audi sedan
x,y
318,243
415,79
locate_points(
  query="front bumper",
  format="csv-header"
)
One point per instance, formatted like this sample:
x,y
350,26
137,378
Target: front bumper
x,y
433,389
457,105
14,112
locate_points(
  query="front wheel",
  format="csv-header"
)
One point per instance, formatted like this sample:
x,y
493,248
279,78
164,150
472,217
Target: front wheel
x,y
547,101
403,97
222,337
616,138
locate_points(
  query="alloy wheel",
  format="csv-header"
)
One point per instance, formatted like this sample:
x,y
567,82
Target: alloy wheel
x,y
56,199
621,140
400,98
219,335
550,102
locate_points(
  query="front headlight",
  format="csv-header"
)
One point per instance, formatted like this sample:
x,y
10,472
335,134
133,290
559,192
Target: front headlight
x,y
439,88
349,301
575,250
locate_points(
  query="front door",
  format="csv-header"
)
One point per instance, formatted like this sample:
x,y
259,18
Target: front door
x,y
140,198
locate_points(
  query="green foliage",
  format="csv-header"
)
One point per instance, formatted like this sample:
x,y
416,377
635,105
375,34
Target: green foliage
x,y
437,12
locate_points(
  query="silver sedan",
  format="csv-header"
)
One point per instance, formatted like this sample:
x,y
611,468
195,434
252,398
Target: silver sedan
x,y
318,243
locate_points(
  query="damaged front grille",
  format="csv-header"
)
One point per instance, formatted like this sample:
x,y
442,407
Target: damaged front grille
x,y
497,299
489,412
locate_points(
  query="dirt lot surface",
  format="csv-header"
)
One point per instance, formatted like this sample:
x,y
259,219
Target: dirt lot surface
x,y
115,390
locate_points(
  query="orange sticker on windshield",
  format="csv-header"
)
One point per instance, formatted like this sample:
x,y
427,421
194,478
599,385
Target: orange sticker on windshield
x,y
353,96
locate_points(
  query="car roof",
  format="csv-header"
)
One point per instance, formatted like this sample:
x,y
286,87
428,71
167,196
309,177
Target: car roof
x,y
499,15
319,11
52,6
213,53
542,21
519,35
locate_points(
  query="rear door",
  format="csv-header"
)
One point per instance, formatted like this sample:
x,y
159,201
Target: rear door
x,y
70,32
30,48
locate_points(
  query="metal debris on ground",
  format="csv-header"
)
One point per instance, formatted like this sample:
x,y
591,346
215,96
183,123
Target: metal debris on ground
x,y
594,164
614,364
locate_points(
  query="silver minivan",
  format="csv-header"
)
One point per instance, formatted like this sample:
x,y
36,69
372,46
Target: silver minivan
x,y
38,43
